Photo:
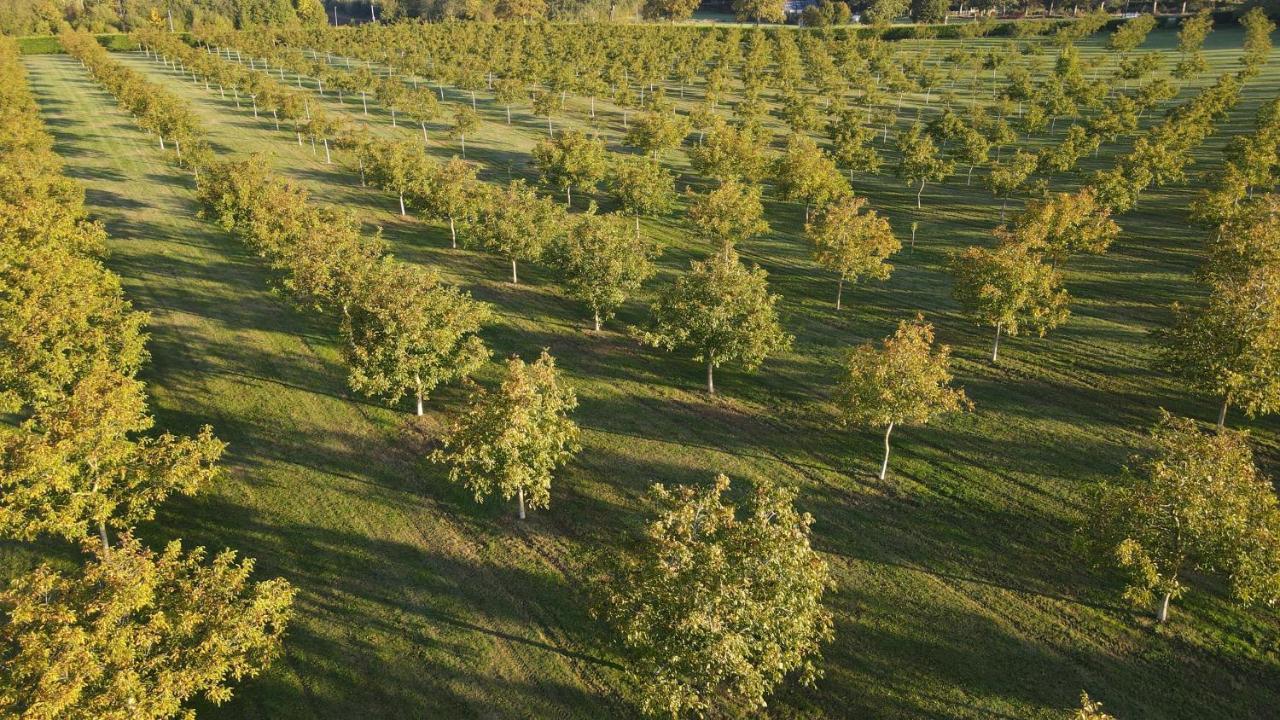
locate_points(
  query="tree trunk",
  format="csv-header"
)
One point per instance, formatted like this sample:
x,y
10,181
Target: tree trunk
x,y
711,379
424,132
884,466
568,196
597,316
839,291
515,279
1222,412
453,234
520,495
401,204
1162,609
418,380
995,349
364,100
508,114
919,193
102,533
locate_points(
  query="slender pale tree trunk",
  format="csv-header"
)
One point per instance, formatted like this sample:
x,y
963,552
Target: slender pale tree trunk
x,y
453,234
520,496
424,132
711,376
884,466
402,205
597,316
568,196
515,279
839,291
1162,609
919,193
417,379
1222,412
995,349
102,533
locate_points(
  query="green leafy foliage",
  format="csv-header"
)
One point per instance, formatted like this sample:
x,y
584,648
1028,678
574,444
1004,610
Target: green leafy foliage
x,y
718,604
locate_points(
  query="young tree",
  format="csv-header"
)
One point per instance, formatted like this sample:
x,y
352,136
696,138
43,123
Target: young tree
x,y
511,440
570,159
1230,345
718,604
78,462
451,192
851,144
397,167
722,312
136,634
465,122
804,173
1196,503
654,132
642,187
904,383
518,225
1010,289
729,153
601,263
1062,225
921,161
408,333
1007,178
852,243
728,215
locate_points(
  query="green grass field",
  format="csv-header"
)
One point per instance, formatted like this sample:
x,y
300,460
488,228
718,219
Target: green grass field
x,y
959,593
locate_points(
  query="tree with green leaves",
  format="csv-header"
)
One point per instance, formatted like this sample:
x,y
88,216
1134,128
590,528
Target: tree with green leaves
x,y
80,462
61,312
1196,503
655,132
1229,345
728,215
1062,225
408,332
718,603
508,91
921,162
601,263
722,312
511,440
641,186
451,192
852,241
465,122
882,13
804,173
1257,39
729,152
1131,34
1010,176
398,167
517,224
851,144
672,10
136,634
759,11
571,159
1010,289
905,382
